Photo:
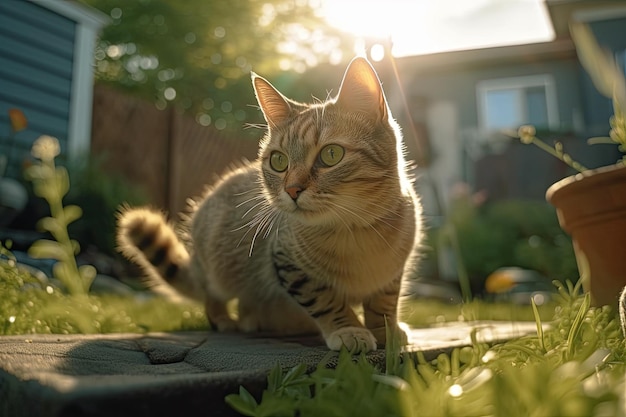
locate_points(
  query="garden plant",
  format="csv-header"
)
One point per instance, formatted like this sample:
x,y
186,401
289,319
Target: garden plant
x,y
574,368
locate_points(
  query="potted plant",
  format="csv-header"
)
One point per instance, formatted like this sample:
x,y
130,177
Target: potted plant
x,y
591,205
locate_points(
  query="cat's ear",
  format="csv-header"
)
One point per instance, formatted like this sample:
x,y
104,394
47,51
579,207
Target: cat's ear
x,y
274,105
361,91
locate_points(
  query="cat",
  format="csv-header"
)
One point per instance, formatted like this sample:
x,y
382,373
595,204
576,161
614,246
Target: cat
x,y
326,218
622,311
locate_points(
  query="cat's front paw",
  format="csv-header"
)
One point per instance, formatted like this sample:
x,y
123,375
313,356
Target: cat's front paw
x,y
355,339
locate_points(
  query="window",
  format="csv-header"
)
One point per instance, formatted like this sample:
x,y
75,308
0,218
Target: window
x,y
508,103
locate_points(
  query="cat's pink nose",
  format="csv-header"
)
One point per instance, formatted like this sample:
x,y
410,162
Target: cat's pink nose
x,y
294,191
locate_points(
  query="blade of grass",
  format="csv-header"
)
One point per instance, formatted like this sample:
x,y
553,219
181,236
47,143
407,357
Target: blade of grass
x,y
539,325
577,324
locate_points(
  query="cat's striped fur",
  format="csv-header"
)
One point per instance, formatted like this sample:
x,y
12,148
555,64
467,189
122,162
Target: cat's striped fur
x,y
622,310
326,218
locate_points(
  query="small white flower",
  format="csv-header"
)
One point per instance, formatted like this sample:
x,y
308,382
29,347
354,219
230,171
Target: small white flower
x,y
526,134
46,148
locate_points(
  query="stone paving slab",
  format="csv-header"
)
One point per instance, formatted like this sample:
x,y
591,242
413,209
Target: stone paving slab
x,y
175,374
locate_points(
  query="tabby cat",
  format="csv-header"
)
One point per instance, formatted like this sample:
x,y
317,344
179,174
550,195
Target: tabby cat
x,y
622,310
324,220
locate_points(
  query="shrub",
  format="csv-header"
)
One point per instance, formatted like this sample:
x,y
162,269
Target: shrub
x,y
100,195
506,233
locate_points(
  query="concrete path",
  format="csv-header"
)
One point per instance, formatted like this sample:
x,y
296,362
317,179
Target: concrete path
x,y
174,374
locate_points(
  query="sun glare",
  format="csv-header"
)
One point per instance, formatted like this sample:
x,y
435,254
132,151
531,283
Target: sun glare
x,y
418,27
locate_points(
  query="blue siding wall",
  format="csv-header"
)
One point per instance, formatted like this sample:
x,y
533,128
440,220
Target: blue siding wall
x,y
36,62
611,35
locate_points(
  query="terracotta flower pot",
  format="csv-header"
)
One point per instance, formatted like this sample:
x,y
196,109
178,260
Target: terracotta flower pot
x,y
591,208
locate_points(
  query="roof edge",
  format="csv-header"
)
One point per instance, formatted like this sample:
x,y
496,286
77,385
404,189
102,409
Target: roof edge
x,y
76,11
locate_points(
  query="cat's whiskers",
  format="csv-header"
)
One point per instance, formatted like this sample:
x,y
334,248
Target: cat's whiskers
x,y
251,190
265,223
250,223
264,205
340,216
370,225
260,126
323,199
383,220
275,218
258,196
261,199
355,201
263,219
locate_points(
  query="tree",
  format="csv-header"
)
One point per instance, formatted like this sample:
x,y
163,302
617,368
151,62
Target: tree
x,y
198,54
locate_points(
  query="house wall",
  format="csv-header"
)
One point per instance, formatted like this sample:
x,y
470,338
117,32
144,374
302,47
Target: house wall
x,y
46,70
610,34
495,162
36,67
484,160
459,87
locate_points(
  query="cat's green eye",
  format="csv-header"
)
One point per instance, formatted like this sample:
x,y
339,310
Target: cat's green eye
x,y
331,155
279,161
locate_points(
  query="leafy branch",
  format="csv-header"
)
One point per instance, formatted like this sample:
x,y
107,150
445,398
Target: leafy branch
x,y
52,184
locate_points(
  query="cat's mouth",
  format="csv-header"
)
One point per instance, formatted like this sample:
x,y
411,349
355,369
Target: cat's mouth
x,y
302,207
307,208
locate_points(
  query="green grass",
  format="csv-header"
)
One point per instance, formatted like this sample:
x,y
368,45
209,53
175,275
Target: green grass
x,y
27,307
576,368
425,312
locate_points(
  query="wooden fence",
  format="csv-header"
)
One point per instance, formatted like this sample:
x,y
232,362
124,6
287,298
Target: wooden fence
x,y
166,153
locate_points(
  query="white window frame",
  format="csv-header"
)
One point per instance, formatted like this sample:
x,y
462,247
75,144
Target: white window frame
x,y
517,83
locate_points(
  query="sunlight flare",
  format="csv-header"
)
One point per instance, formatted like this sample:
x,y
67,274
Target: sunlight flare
x,y
429,26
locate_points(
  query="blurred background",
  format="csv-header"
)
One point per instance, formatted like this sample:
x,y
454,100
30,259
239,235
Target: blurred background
x,y
151,100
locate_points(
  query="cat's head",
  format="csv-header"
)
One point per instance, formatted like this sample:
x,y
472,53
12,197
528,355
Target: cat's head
x,y
337,162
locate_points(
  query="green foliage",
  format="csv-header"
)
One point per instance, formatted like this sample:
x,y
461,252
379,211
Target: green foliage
x,y
425,312
507,233
573,367
354,387
198,54
52,184
28,305
99,194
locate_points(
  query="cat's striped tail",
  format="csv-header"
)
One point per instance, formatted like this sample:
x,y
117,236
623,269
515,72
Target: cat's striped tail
x,y
145,237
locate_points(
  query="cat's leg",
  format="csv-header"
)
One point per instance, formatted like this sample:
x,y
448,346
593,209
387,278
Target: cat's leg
x,y
275,313
330,309
381,310
215,305
339,325
217,315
